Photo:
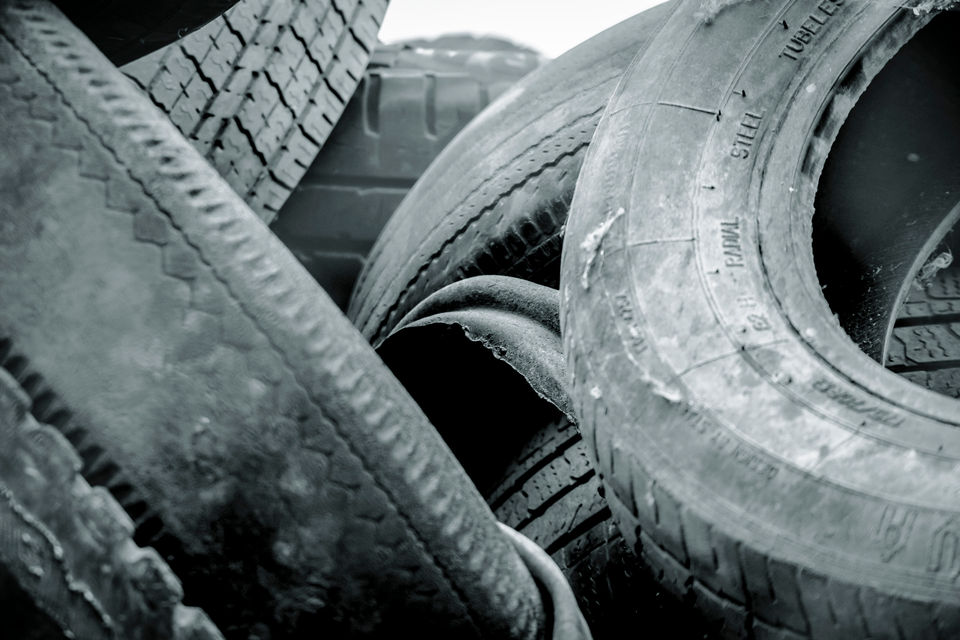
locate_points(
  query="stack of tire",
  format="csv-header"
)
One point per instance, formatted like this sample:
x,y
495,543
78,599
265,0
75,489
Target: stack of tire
x,y
745,210
677,308
186,417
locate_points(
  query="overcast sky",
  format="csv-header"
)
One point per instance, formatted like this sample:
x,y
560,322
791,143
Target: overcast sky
x,y
549,26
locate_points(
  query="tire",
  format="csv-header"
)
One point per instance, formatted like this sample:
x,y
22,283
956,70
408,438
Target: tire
x,y
284,474
925,345
67,559
409,105
482,358
126,30
259,90
495,200
774,473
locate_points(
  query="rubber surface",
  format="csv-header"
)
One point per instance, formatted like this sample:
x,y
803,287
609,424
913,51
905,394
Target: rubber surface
x,y
925,347
493,400
781,480
482,357
495,200
567,621
888,193
126,30
298,489
259,90
410,104
68,545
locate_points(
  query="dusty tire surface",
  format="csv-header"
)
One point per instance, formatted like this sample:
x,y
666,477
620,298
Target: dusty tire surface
x,y
126,30
285,475
495,200
410,104
259,90
68,547
776,475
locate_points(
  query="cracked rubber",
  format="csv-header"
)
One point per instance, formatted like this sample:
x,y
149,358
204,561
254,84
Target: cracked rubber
x,y
69,547
152,317
410,104
259,90
126,30
777,478
494,202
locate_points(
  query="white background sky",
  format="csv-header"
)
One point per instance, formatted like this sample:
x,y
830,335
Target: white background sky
x,y
549,26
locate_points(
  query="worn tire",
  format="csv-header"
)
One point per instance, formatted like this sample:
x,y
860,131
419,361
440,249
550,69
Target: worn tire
x,y
409,106
285,475
126,30
775,474
495,200
482,358
259,90
925,344
67,552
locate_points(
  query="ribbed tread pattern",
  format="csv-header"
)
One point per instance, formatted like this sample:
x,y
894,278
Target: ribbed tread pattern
x,y
259,90
551,493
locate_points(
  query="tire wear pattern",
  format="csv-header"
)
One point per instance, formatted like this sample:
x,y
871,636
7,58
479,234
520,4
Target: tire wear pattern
x,y
411,103
925,347
656,445
496,199
272,412
551,494
70,546
524,452
259,90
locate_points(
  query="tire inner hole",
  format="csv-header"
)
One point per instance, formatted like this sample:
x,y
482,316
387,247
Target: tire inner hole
x,y
888,199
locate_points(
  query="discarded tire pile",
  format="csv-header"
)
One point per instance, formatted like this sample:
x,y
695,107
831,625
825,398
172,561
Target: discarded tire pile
x,y
659,338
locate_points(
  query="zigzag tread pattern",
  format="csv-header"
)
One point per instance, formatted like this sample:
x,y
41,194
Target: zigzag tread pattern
x,y
341,372
259,89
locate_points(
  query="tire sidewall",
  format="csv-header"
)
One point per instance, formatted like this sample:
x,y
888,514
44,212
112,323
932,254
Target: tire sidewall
x,y
706,363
